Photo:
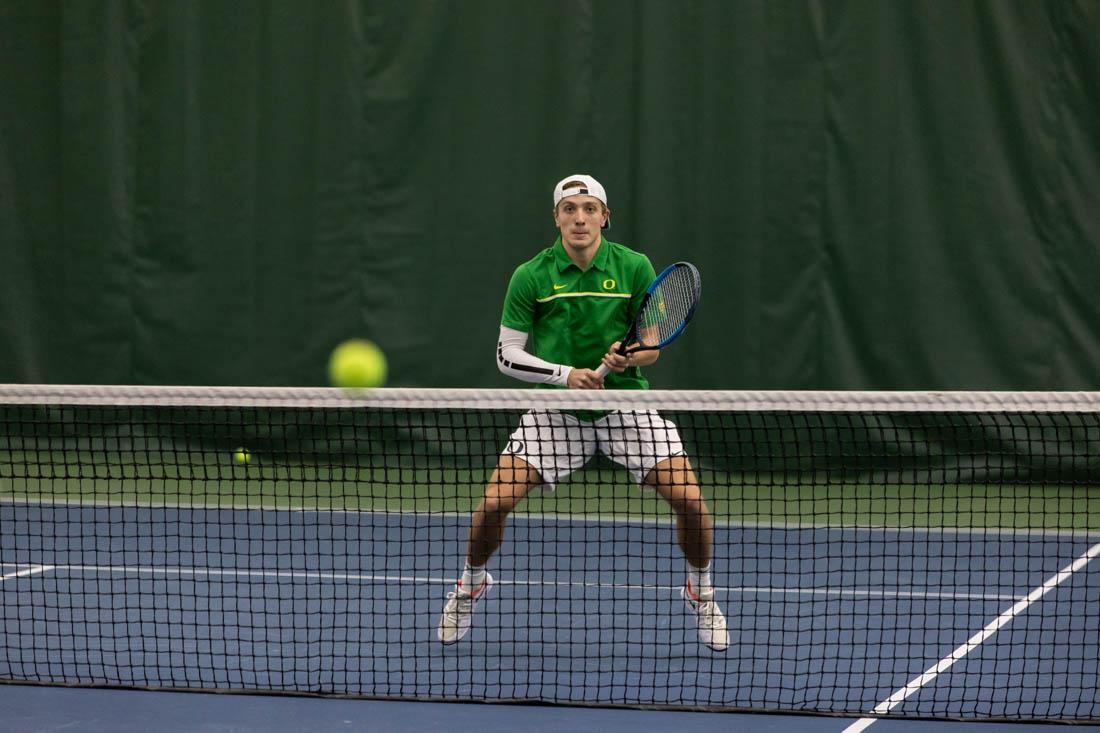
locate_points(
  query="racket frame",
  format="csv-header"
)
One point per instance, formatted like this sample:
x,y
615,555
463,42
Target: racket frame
x,y
632,332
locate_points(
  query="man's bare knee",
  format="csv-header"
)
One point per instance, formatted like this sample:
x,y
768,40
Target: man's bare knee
x,y
673,478
512,479
691,505
497,506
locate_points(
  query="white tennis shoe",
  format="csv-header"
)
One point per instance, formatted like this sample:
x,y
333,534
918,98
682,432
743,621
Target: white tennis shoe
x,y
458,613
708,616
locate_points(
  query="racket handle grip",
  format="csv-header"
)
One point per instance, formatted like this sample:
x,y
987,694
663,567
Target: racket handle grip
x,y
602,370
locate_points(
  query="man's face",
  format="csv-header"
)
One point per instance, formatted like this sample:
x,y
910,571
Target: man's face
x,y
579,219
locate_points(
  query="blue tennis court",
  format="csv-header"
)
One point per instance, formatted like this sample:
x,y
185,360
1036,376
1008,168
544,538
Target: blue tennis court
x,y
41,709
345,603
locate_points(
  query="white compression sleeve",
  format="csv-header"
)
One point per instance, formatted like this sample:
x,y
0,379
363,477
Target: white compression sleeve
x,y
514,361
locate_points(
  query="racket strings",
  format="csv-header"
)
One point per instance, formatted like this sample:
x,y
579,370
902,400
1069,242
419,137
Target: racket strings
x,y
668,307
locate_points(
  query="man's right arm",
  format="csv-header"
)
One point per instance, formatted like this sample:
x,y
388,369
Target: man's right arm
x,y
512,356
514,361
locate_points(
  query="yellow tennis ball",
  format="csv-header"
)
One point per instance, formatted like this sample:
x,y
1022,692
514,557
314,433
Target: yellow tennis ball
x,y
357,364
242,456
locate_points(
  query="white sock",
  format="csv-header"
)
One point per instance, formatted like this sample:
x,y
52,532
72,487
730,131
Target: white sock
x,y
699,578
472,577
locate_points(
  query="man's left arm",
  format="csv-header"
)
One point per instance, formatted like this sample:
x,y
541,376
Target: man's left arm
x,y
644,276
617,362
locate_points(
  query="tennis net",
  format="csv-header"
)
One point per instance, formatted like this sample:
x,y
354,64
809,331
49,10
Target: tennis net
x,y
907,554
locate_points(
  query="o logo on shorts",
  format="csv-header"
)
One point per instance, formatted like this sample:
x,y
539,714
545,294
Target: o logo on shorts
x,y
514,447
609,284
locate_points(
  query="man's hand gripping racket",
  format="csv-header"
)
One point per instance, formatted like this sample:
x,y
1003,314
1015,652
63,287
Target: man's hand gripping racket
x,y
666,309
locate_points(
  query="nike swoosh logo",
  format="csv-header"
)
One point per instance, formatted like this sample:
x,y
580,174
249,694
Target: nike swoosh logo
x,y
559,287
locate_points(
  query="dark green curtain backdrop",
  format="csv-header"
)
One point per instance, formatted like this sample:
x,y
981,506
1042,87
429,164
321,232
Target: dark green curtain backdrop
x,y
878,194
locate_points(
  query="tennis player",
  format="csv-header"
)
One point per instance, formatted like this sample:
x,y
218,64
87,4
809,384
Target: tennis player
x,y
564,311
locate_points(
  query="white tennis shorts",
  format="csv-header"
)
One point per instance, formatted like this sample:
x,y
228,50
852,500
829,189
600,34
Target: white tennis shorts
x,y
556,444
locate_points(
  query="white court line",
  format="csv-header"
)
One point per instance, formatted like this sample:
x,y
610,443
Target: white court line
x,y
975,641
32,570
372,578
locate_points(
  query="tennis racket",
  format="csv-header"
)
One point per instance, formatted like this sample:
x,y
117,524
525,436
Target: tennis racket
x,y
666,309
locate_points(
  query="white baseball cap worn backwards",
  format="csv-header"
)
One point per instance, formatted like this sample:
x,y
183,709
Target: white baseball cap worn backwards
x,y
589,187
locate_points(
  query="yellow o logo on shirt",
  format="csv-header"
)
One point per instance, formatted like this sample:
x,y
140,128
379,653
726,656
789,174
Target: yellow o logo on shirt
x,y
608,284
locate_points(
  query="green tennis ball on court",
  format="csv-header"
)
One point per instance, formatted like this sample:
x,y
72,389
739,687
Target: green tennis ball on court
x,y
357,364
241,456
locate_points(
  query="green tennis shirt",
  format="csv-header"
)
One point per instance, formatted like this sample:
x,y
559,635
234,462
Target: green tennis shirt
x,y
572,315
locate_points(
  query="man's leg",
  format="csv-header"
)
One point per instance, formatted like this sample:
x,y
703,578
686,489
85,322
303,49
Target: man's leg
x,y
511,481
674,479
509,484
